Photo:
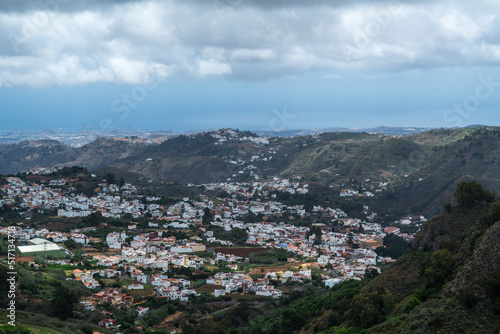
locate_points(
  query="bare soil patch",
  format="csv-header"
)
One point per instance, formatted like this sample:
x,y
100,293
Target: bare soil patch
x,y
243,251
207,288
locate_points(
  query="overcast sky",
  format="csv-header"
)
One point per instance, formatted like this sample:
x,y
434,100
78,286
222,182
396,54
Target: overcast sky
x,y
249,64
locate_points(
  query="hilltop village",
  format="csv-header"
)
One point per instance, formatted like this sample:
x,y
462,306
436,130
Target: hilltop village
x,y
124,246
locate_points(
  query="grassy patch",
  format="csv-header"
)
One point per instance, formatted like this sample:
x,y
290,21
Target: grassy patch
x,y
42,330
208,288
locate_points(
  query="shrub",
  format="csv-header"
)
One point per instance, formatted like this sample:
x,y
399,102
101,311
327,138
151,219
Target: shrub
x,y
411,304
470,193
8,329
447,207
369,309
438,269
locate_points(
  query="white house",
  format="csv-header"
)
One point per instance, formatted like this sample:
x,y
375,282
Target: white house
x,y
219,292
142,311
331,282
135,287
114,240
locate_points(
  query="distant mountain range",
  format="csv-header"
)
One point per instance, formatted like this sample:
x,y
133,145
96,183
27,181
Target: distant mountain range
x,y
386,130
406,174
82,136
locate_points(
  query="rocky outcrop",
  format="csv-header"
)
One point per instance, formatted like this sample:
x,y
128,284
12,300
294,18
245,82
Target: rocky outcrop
x,y
472,279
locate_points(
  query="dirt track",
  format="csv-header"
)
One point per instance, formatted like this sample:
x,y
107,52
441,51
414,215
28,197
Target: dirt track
x,y
172,318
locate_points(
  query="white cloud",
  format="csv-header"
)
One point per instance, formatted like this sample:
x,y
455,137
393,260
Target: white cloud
x,y
252,55
212,67
130,41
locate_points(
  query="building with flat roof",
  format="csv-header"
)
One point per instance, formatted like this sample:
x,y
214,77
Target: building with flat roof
x,y
39,241
41,247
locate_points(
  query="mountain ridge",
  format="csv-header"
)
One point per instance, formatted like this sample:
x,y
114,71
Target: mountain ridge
x,y
392,168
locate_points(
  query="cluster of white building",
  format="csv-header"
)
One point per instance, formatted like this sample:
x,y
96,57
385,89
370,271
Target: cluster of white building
x,y
42,170
228,135
87,276
172,288
259,188
240,281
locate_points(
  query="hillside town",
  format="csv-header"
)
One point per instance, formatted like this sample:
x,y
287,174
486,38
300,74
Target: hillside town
x,y
148,256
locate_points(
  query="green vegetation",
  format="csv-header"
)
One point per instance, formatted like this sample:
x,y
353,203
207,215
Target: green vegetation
x,y
236,235
394,246
368,309
44,293
8,329
470,193
271,257
208,216
438,269
295,312
63,302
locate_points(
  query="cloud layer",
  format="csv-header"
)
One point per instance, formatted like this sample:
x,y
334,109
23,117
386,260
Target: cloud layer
x,y
62,42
